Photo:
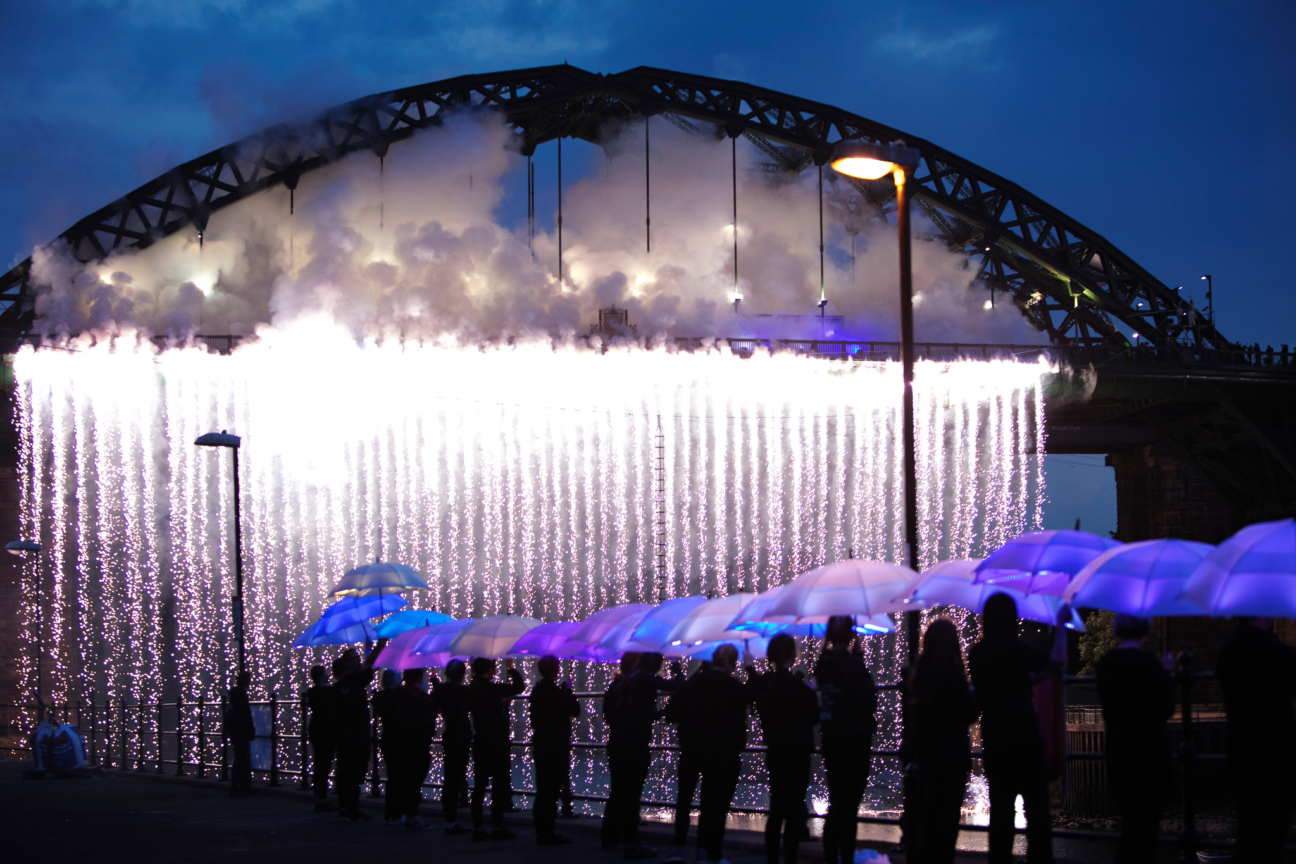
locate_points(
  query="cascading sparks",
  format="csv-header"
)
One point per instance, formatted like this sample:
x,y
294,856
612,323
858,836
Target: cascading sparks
x,y
516,478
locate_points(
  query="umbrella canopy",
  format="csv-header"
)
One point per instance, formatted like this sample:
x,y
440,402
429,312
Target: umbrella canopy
x,y
437,638
1143,579
1251,573
353,610
545,639
399,653
362,631
491,637
380,577
709,622
952,583
748,649
596,626
410,619
1042,562
652,629
756,617
862,589
619,639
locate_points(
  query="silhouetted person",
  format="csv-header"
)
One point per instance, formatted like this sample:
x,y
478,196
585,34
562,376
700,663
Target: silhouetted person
x,y
383,703
354,730
722,703
321,698
939,708
456,742
553,708
1004,670
1137,700
239,730
682,711
788,711
1286,354
408,731
489,702
630,709
848,720
1258,675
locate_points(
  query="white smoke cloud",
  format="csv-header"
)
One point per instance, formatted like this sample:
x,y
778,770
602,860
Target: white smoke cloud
x,y
418,250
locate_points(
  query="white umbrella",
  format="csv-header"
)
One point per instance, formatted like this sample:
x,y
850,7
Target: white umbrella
x,y
596,626
952,583
1042,562
436,639
1143,579
1251,573
399,652
491,637
757,618
709,622
852,587
380,577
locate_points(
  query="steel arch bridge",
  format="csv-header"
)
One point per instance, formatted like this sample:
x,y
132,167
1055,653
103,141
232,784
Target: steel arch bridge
x,y
1065,278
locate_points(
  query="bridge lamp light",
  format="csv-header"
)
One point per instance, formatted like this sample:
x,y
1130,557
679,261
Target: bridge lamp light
x,y
866,160
224,439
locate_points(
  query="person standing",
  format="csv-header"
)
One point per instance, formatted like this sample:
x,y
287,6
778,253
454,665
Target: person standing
x,y
848,721
383,703
1137,699
939,709
553,708
354,729
488,700
682,711
456,742
321,698
788,711
1257,672
722,703
1004,669
239,730
407,741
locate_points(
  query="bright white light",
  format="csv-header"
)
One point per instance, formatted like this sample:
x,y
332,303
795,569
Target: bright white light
x,y
988,305
204,282
734,296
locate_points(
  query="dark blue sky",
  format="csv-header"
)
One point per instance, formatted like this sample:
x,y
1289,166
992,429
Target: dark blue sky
x,y
1166,127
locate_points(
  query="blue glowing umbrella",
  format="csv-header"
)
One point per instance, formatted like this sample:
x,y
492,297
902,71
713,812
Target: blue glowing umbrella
x,y
652,629
353,610
380,577
408,620
952,583
1143,579
596,626
1251,573
362,631
550,638
619,639
1042,562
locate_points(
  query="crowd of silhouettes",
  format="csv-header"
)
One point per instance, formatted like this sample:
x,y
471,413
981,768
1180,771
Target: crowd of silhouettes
x,y
944,694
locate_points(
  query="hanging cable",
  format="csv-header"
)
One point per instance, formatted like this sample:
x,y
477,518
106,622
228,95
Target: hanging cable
x,y
530,205
381,192
560,249
647,192
735,221
823,297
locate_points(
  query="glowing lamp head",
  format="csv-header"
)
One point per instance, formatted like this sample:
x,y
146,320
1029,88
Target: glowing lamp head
x,y
22,547
865,161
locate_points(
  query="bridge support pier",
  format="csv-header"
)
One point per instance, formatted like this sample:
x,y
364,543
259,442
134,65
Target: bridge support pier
x,y
1159,495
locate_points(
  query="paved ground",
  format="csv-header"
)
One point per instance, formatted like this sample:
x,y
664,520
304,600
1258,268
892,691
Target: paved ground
x,y
132,817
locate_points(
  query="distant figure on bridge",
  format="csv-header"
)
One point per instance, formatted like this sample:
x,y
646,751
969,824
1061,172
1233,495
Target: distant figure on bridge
x,y
848,721
456,742
353,728
489,702
1137,699
939,708
408,745
1284,355
1258,675
384,703
789,711
1004,670
239,730
321,699
553,708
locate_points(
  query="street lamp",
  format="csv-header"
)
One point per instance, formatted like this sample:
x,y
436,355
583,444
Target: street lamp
x,y
866,161
21,548
224,439
1210,303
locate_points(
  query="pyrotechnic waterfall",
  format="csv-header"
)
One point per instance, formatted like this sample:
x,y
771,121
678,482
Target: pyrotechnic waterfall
x,y
517,478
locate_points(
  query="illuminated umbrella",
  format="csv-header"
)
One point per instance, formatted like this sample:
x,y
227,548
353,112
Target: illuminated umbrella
x,y
862,589
410,619
709,622
491,637
545,639
618,639
749,649
1143,579
362,631
652,629
1251,573
353,610
596,626
437,638
380,577
952,583
1042,562
399,653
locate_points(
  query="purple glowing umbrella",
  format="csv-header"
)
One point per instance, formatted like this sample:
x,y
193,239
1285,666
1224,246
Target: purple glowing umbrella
x,y
618,639
399,653
596,626
952,583
546,639
1251,573
1042,562
1143,579
491,637
437,638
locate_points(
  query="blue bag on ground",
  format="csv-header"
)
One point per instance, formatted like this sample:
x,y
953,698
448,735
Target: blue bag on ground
x,y
67,749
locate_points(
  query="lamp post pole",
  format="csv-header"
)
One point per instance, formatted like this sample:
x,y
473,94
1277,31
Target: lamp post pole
x,y
224,439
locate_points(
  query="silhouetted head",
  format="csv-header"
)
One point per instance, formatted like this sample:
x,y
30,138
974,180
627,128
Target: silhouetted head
x,y
483,667
629,662
548,667
782,650
841,631
412,677
725,658
389,678
318,675
244,680
339,667
940,665
1128,627
999,619
455,671
650,662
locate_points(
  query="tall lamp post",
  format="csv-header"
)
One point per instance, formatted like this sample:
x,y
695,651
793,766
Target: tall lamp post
x,y
21,548
224,439
866,161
